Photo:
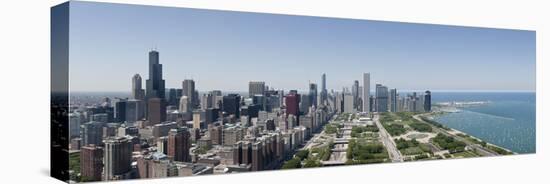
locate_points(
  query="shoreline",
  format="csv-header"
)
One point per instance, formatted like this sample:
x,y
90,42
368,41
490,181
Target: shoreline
x,y
439,113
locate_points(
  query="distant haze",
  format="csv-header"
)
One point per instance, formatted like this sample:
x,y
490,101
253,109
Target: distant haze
x,y
224,50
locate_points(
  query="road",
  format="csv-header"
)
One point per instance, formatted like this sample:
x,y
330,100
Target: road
x,y
312,141
387,140
480,149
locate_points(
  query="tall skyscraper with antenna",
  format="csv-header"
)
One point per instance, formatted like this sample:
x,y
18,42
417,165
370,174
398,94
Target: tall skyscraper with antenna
x,y
155,84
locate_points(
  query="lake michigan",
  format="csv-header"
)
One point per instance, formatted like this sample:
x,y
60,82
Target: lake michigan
x,y
508,120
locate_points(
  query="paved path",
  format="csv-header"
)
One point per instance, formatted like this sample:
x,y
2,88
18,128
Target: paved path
x,y
387,140
480,149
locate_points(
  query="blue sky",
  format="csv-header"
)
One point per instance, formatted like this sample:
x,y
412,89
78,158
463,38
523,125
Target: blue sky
x,y
109,43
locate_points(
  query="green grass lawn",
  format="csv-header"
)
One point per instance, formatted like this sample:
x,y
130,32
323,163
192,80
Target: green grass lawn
x,y
331,128
402,122
448,143
411,151
361,151
394,129
464,154
412,147
74,162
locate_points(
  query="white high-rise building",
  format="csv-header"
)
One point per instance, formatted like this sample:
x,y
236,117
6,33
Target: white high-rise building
x,y
185,104
366,92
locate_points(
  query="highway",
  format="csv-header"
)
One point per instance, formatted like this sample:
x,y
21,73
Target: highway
x,y
387,140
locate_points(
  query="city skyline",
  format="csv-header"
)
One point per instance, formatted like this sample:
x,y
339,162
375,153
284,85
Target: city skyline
x,y
296,92
435,57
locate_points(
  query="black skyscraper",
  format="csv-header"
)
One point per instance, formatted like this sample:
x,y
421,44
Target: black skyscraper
x,y
231,104
313,94
172,97
120,110
155,83
355,93
428,101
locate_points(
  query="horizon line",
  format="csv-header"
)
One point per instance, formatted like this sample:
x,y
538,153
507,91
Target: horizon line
x,y
404,90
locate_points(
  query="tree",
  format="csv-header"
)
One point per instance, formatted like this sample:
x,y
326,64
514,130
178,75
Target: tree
x,y
449,143
292,164
312,163
421,127
302,154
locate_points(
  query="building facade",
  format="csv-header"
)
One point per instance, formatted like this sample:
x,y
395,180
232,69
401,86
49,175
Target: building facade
x,y
117,158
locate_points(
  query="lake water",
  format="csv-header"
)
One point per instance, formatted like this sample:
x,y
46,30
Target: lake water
x,y
507,121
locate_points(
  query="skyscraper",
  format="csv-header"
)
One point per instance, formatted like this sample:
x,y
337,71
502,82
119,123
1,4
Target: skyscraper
x,y
372,104
393,100
137,90
413,105
313,94
238,153
348,103
120,110
155,83
359,105
355,94
156,111
74,124
305,103
324,93
215,133
257,158
366,92
211,115
292,101
134,110
197,119
246,154
92,133
196,102
216,93
232,104
256,88
178,144
188,88
338,102
117,158
428,101
179,93
207,101
185,104
420,103
381,98
172,97
260,100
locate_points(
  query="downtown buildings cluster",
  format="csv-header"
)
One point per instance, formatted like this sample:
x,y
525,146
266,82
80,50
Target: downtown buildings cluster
x,y
162,132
